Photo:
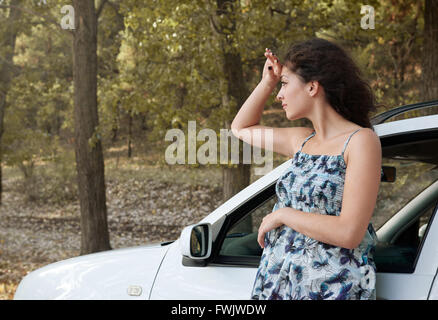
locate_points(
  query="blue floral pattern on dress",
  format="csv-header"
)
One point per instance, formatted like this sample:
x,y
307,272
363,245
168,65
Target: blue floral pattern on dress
x,y
296,267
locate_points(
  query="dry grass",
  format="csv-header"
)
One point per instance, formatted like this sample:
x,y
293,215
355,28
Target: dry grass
x,y
7,290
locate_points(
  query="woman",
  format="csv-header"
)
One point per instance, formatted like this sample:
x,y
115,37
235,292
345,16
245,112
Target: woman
x,y
318,242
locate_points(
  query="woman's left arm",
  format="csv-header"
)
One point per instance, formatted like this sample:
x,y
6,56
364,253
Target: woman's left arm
x,y
361,186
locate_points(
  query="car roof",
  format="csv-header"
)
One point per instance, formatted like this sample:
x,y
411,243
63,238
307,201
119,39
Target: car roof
x,y
410,139
385,116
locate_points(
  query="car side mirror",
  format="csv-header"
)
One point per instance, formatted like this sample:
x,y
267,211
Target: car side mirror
x,y
196,241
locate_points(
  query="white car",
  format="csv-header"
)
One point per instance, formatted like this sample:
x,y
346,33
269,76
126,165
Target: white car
x,y
218,257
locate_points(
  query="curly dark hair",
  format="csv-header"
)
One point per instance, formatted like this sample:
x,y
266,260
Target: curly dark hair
x,y
345,89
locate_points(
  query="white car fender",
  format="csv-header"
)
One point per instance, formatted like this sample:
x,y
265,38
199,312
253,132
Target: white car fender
x,y
115,274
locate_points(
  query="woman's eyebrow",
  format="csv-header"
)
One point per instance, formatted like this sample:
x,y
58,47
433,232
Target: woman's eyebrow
x,y
283,76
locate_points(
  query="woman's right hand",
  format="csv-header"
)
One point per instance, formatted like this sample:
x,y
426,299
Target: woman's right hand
x,y
272,68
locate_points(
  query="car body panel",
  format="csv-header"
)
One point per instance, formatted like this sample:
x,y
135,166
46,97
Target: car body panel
x,y
213,282
407,125
433,295
104,275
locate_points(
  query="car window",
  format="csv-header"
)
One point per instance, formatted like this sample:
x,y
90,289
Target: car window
x,y
241,238
412,177
400,253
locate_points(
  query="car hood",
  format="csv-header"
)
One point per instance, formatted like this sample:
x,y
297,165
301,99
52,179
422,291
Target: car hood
x,y
115,274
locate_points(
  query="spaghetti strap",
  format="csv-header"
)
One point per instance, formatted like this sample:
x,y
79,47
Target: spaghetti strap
x,y
313,133
346,142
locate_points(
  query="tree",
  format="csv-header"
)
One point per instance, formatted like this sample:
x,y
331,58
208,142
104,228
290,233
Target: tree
x,y
41,99
224,22
88,147
430,51
8,36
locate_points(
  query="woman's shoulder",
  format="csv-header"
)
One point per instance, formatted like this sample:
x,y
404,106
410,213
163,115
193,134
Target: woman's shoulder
x,y
363,133
364,141
367,133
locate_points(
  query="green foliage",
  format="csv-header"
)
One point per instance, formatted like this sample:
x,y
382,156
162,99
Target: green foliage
x,y
172,57
390,54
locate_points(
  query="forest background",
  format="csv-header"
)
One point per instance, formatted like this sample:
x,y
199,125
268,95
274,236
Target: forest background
x,y
85,104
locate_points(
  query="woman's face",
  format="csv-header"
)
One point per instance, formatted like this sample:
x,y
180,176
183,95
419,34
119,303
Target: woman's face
x,y
293,95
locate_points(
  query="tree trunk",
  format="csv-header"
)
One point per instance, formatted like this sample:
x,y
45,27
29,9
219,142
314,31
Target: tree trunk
x,y
430,53
234,179
115,122
8,36
89,157
144,126
129,135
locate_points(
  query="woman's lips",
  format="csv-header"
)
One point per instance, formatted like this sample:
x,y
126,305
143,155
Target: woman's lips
x,y
284,106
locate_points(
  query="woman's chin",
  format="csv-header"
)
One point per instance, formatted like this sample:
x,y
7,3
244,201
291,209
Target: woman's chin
x,y
290,116
293,116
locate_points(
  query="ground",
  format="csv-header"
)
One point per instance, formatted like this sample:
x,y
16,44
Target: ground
x,y
145,205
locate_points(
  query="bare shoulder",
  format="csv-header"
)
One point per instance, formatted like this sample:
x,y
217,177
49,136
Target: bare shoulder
x,y
368,138
364,144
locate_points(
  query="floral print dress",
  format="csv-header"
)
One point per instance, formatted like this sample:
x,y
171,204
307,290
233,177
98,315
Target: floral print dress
x,y
294,266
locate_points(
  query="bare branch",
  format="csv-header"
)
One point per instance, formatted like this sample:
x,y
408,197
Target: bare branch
x,y
100,8
277,11
214,26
